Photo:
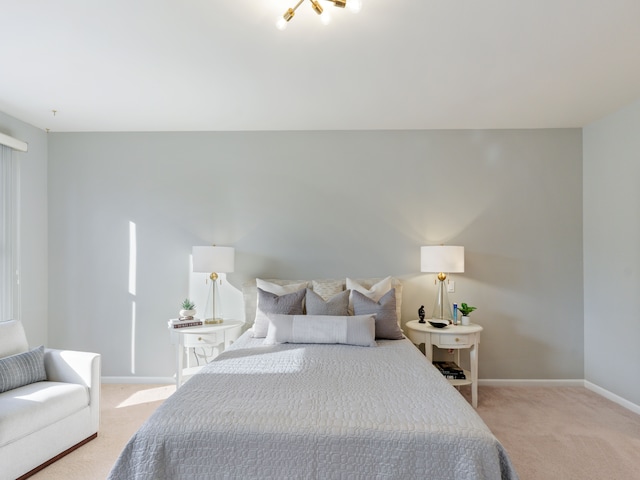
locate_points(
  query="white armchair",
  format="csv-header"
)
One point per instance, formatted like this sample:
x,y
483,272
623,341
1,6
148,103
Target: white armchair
x,y
44,420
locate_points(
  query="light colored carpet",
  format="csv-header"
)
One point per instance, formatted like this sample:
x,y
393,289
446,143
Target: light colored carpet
x,y
563,432
123,408
551,433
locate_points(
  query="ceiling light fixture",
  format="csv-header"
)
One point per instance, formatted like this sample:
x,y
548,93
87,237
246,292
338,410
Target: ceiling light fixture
x,y
354,6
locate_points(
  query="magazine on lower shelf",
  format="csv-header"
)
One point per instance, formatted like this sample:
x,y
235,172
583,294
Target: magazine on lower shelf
x,y
450,370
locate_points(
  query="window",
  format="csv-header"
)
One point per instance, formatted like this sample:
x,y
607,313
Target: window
x,y
9,235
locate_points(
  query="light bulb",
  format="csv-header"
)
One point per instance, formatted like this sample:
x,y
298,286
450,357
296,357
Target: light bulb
x,y
354,5
325,18
281,23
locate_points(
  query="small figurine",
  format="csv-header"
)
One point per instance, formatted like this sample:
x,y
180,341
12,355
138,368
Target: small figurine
x,y
421,314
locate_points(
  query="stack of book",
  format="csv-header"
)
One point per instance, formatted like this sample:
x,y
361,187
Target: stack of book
x,y
450,370
184,322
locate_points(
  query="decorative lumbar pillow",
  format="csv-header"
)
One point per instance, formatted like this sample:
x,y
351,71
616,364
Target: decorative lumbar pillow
x,y
22,369
384,310
327,288
336,305
347,330
288,304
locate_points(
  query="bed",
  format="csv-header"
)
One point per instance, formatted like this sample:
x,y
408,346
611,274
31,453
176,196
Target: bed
x,y
317,411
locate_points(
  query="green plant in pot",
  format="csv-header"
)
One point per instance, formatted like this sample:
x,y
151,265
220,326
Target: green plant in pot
x,y
466,310
188,308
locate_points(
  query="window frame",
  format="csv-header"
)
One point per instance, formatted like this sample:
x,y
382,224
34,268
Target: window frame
x,y
9,234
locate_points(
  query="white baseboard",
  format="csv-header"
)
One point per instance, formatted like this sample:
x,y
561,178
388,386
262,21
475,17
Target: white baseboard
x,y
613,397
142,380
569,382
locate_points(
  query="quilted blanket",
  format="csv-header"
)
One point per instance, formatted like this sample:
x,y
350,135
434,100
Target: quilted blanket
x,y
315,412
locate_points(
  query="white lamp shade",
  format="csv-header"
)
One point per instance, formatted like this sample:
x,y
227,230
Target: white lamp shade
x,y
442,258
213,259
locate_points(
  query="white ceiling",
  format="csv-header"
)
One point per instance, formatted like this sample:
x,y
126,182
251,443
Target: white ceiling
x,y
161,65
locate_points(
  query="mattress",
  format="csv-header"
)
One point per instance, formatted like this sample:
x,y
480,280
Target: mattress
x,y
317,412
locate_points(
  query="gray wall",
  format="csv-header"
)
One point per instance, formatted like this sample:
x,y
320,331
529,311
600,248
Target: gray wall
x,y
612,253
319,204
33,201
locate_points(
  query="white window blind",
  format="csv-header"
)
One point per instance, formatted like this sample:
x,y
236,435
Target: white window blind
x,y
9,235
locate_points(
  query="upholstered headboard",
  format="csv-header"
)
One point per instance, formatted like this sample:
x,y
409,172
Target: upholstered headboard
x,y
250,291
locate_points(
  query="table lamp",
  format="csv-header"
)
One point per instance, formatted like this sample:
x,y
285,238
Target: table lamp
x,y
213,260
442,259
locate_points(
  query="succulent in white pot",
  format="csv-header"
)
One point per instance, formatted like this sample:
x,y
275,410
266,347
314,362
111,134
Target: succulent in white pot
x,y
466,311
188,308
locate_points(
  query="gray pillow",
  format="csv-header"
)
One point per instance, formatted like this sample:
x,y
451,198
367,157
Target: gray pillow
x,y
385,310
336,305
22,369
287,304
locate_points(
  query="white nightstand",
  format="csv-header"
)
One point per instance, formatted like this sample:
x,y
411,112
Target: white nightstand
x,y
220,335
450,337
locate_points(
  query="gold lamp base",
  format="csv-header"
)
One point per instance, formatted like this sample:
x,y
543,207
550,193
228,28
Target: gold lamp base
x,y
213,321
442,307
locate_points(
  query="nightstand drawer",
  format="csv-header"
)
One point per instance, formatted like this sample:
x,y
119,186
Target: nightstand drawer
x,y
201,339
451,341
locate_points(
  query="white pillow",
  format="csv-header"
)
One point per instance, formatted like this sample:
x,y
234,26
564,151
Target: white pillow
x,y
375,292
327,288
280,289
357,330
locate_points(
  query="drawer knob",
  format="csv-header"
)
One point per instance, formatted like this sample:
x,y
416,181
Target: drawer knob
x,y
200,339
457,339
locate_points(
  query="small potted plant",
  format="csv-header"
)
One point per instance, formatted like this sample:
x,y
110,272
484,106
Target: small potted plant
x,y
466,310
188,309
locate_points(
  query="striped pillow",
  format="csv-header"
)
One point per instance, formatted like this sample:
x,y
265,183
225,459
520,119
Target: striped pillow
x,y
22,369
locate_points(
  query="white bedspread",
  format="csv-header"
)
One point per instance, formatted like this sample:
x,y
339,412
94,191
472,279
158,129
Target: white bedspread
x,y
317,412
